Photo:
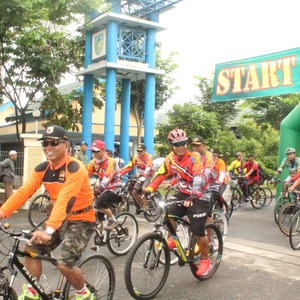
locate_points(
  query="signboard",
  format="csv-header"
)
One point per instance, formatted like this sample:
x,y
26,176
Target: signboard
x,y
261,76
99,44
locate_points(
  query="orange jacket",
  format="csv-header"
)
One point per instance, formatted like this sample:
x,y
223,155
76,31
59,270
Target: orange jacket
x,y
67,184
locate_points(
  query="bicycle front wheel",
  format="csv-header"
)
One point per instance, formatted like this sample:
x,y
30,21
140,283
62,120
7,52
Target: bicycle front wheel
x,y
285,217
294,236
214,237
99,276
258,198
145,274
122,238
39,209
280,201
154,211
221,222
236,198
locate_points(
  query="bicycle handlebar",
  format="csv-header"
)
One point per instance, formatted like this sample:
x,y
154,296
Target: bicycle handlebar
x,y
24,235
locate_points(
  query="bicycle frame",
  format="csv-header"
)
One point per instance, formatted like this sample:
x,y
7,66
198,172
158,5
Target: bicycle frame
x,y
14,261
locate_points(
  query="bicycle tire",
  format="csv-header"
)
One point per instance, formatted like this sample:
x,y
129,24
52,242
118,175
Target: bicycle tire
x,y
294,234
258,198
236,198
280,201
269,196
285,217
99,276
121,239
221,222
39,209
155,211
215,252
144,273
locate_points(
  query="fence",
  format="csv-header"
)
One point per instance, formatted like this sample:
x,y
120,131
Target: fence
x,y
19,167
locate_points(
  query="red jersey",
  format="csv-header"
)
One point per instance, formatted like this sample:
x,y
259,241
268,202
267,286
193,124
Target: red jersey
x,y
188,173
253,165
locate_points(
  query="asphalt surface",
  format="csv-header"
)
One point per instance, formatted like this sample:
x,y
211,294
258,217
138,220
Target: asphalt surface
x,y
257,262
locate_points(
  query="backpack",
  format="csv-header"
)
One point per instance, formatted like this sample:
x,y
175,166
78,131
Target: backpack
x,y
262,174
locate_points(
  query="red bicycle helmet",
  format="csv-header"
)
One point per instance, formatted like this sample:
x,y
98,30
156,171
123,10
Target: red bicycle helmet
x,y
177,135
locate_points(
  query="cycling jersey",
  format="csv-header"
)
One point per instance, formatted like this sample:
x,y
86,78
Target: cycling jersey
x,y
68,187
208,163
252,165
235,166
104,168
143,164
292,165
220,167
188,173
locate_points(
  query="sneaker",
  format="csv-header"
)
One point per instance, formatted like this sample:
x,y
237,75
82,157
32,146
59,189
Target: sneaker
x,y
248,199
171,243
86,296
111,225
204,267
29,293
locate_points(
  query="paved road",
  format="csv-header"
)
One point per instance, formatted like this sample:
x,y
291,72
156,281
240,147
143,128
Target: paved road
x,y
258,263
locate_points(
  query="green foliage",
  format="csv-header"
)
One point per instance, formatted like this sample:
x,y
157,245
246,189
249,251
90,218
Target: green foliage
x,y
35,50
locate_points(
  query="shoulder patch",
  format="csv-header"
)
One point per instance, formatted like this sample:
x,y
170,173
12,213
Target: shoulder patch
x,y
42,167
73,166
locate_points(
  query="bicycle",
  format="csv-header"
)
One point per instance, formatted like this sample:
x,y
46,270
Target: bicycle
x,y
119,240
294,233
171,191
148,262
153,213
98,271
287,212
39,209
257,195
284,197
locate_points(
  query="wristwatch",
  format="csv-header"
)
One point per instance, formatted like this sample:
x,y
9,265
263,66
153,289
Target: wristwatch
x,y
50,230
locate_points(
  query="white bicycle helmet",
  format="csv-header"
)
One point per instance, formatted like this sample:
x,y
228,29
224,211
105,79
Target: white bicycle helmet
x,y
177,135
290,150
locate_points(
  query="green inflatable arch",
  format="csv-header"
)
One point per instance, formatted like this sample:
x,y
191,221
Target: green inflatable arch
x,y
289,137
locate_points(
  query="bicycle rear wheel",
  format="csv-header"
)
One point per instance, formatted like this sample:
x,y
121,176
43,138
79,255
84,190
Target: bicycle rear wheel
x,y
99,276
144,273
285,217
294,234
258,198
122,238
269,196
39,209
214,237
236,198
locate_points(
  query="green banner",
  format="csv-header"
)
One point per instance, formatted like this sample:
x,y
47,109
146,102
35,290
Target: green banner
x,y
273,74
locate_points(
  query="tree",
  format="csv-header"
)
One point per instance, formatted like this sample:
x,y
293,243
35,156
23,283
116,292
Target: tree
x,y
272,109
225,111
163,91
35,51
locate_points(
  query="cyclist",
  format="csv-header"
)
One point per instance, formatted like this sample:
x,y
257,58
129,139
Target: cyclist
x,y
251,176
292,163
81,155
103,166
235,168
296,182
187,169
67,184
145,170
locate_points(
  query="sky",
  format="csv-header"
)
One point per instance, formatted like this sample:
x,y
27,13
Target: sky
x,y
205,33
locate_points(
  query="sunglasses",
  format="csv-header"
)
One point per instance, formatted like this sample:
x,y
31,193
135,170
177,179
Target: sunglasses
x,y
53,143
180,144
93,151
139,150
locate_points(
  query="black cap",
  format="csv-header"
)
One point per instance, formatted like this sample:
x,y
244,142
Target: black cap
x,y
198,140
54,132
141,147
250,155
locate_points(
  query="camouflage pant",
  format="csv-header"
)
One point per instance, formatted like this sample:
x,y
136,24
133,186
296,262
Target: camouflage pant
x,y
74,242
